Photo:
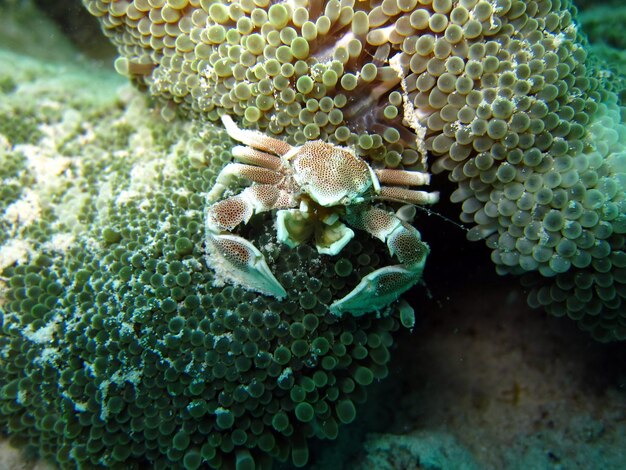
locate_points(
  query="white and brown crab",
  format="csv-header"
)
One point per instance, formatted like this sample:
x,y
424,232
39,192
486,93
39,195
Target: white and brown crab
x,y
314,188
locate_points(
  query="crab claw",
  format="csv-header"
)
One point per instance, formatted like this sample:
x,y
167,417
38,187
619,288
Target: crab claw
x,y
385,285
377,290
236,259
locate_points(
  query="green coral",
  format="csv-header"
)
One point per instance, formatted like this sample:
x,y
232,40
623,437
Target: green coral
x,y
611,67
119,349
592,235
117,346
20,128
503,95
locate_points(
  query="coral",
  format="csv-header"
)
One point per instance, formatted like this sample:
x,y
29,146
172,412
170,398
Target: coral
x,y
548,194
118,348
22,16
603,24
502,94
22,127
610,64
300,70
608,55
593,289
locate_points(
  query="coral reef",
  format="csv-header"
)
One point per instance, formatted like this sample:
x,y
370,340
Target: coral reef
x,y
603,25
118,348
501,95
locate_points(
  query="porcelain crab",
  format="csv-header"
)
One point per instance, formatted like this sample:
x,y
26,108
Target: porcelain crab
x,y
314,188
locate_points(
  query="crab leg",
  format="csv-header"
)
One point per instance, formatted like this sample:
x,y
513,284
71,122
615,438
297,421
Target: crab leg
x,y
413,196
402,177
397,178
255,138
233,257
381,287
236,171
256,157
